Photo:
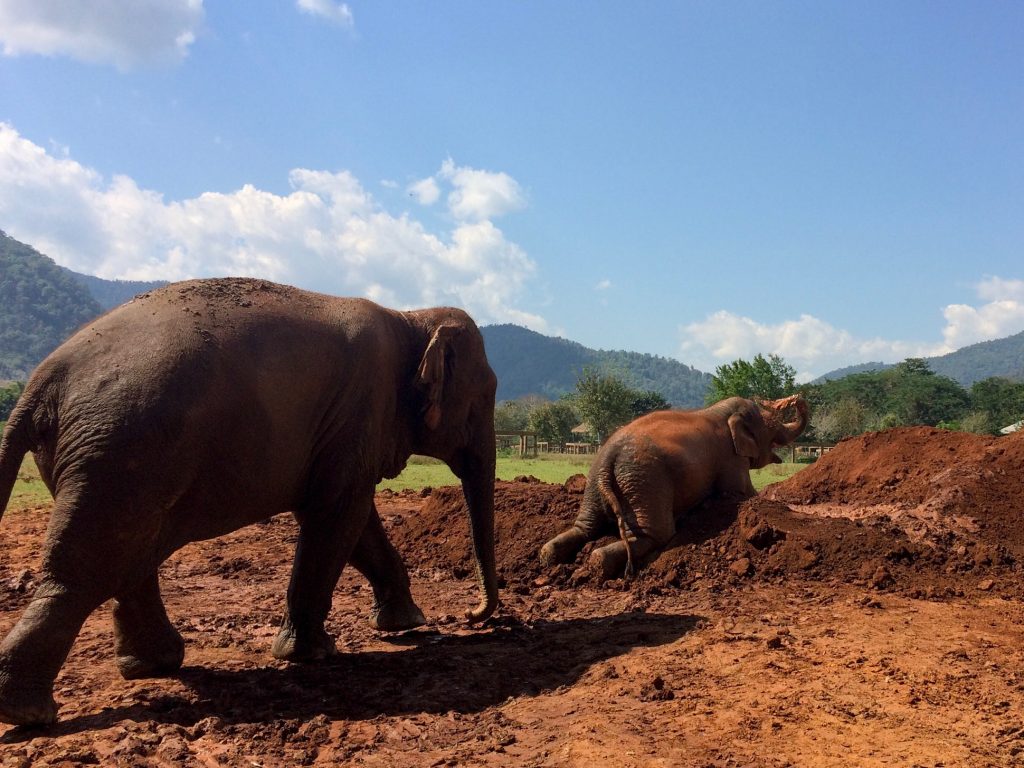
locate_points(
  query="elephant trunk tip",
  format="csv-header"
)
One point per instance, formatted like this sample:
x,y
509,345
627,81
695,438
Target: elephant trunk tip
x,y
488,605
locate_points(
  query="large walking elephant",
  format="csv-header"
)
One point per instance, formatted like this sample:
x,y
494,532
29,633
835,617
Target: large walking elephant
x,y
208,405
665,463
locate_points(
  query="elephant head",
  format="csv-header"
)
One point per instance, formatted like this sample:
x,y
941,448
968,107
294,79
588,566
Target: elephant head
x,y
454,396
757,427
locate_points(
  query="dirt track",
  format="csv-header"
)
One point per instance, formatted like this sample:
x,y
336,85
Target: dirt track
x,y
869,611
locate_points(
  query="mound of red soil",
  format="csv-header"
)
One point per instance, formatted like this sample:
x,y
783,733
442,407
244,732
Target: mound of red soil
x,y
926,511
937,484
920,510
527,512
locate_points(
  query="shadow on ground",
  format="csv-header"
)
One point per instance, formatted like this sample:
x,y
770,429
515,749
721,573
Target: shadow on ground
x,y
442,673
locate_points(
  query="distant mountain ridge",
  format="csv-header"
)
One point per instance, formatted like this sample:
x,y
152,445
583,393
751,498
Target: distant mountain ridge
x,y
999,357
113,293
530,363
42,303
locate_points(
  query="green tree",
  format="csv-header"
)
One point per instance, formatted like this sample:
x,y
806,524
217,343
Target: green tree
x,y
1001,400
767,378
604,402
554,421
845,418
647,402
916,395
511,416
9,395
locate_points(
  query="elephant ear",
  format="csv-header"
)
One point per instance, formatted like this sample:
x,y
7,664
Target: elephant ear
x,y
742,437
433,369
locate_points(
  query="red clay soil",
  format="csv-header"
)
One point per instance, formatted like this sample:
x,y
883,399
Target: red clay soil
x,y
869,611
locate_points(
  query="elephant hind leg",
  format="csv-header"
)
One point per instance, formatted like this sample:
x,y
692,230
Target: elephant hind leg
x,y
374,556
644,512
593,521
146,643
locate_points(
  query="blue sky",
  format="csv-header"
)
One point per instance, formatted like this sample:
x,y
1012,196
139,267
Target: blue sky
x,y
833,182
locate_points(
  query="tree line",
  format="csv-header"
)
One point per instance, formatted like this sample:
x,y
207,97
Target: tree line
x,y
602,402
906,394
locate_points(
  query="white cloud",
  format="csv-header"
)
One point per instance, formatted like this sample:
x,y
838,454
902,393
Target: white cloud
x,y
425,191
338,13
810,344
328,233
126,34
603,285
1002,315
815,347
478,194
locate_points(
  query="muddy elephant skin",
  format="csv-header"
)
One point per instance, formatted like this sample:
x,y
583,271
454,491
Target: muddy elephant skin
x,y
207,405
665,463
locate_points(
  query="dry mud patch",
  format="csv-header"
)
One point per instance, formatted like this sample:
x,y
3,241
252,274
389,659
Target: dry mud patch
x,y
875,622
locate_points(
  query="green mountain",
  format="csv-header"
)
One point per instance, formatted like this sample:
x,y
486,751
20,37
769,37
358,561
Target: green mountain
x,y
529,363
113,293
999,357
41,304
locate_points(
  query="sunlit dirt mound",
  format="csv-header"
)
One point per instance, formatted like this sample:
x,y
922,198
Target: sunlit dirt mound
x,y
527,512
938,485
920,510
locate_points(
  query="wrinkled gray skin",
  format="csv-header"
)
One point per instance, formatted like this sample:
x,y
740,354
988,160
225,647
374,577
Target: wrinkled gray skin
x,y
661,465
209,405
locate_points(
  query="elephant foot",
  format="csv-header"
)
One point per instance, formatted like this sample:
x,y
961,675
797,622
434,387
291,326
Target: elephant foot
x,y
396,617
562,548
24,704
163,662
609,562
301,648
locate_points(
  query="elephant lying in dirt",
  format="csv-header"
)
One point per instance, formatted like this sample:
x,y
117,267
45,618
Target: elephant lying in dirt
x,y
665,463
208,405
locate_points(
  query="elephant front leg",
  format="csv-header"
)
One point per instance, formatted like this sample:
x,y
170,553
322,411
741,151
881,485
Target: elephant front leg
x,y
376,558
146,643
327,537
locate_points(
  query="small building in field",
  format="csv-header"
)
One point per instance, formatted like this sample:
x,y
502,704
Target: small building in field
x,y
1017,425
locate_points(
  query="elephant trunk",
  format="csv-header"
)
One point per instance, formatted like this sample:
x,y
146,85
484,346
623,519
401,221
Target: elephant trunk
x,y
478,487
790,431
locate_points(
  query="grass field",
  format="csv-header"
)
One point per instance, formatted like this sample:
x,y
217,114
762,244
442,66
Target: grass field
x,y
551,468
421,472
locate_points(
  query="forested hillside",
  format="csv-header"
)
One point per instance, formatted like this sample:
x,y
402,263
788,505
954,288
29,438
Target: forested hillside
x,y
999,357
41,304
529,363
113,293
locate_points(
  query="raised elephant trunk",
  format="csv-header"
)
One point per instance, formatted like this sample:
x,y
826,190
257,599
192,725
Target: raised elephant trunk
x,y
788,431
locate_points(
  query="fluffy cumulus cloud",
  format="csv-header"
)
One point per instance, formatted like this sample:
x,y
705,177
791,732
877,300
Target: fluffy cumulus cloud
x,y
1002,314
472,194
811,345
815,347
425,191
328,233
128,35
337,13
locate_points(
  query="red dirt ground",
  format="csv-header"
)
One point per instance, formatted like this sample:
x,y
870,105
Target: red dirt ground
x,y
867,612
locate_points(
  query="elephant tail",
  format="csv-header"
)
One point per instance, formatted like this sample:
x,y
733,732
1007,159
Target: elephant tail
x,y
14,444
611,493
